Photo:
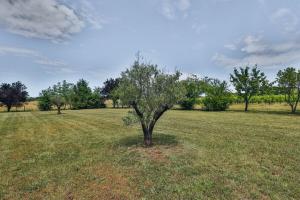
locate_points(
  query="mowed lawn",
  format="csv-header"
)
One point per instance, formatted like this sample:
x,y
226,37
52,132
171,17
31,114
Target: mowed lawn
x,y
90,154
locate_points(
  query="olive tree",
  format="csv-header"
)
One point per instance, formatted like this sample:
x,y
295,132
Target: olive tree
x,y
67,92
58,100
53,96
289,84
150,92
248,82
57,97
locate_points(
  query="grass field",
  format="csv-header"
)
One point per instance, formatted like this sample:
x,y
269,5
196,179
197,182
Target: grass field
x,y
89,154
28,106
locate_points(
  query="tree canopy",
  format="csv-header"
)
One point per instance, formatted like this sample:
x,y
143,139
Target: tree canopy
x,y
81,94
193,88
217,95
13,94
44,100
289,84
78,96
248,82
107,91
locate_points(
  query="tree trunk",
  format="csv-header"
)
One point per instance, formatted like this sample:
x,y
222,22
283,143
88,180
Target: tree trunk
x,y
148,128
58,110
246,105
8,108
296,104
148,138
294,108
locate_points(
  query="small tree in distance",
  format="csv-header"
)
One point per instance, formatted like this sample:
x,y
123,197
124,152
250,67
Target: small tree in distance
x,y
289,84
13,94
44,100
150,93
67,92
107,91
58,100
57,97
81,94
96,100
217,96
193,89
248,83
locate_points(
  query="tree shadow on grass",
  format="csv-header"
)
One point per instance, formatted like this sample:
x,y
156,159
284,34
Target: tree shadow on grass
x,y
158,139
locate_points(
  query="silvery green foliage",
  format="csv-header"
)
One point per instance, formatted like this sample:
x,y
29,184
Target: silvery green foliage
x,y
130,118
58,100
149,91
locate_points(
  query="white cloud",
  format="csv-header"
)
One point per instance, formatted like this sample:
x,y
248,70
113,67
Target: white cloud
x,y
230,46
168,10
253,44
86,10
171,9
255,50
53,66
45,19
261,2
46,61
4,50
198,28
183,5
285,19
225,60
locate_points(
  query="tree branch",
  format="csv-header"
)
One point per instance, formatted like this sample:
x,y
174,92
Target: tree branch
x,y
157,115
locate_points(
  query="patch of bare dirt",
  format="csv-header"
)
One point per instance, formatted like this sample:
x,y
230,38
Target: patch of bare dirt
x,y
108,183
159,153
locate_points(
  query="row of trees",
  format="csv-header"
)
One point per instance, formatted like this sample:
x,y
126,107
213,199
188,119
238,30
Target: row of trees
x,y
249,83
72,96
215,93
251,86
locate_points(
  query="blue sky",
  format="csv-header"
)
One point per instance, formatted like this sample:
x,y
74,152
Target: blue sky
x,y
43,42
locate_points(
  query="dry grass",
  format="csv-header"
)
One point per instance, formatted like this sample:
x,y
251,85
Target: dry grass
x,y
28,106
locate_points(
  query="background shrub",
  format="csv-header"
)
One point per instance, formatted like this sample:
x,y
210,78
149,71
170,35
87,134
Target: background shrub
x,y
217,96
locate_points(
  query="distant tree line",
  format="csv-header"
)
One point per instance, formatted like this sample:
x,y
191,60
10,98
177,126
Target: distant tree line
x,y
250,83
64,95
251,86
